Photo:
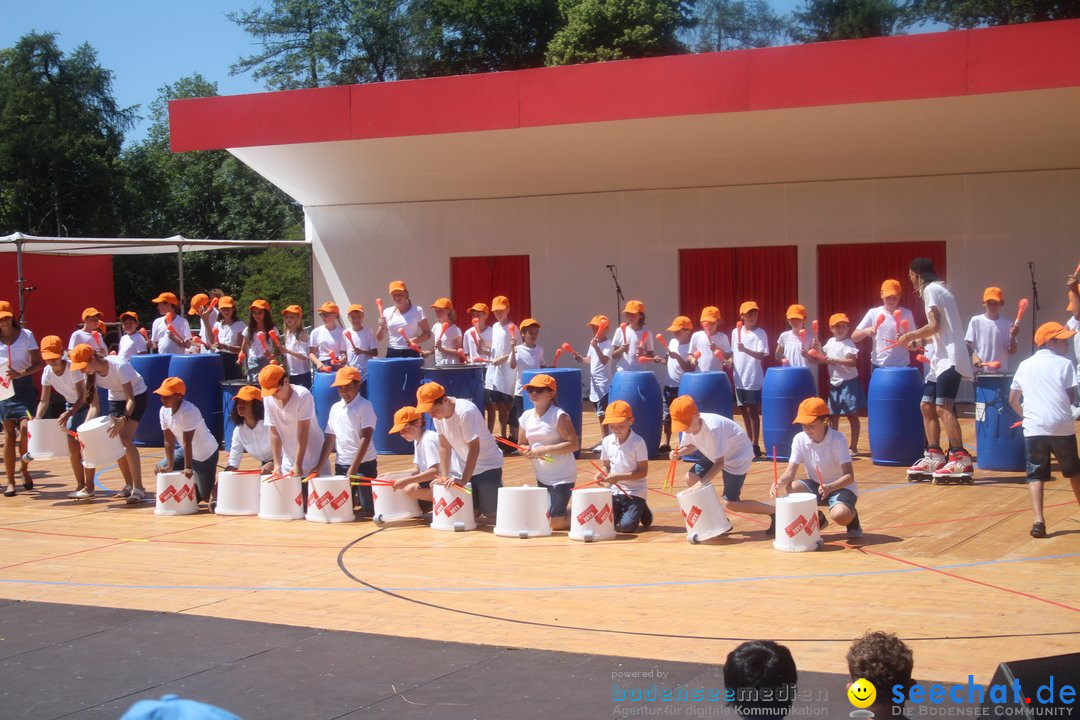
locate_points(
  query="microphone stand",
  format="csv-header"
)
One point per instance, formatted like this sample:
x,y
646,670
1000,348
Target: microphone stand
x,y
24,291
1035,302
620,299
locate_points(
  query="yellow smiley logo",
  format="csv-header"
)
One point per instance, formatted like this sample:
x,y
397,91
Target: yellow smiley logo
x,y
862,693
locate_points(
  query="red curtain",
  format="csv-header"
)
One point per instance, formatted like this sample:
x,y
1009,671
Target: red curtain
x,y
66,284
850,277
479,279
727,277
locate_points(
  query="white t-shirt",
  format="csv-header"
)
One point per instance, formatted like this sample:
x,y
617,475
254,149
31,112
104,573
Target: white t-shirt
x,y
120,372
841,350
396,321
323,341
187,418
451,340
895,356
635,339
674,370
720,437
748,372
704,345
543,430
362,339
81,337
500,377
1074,325
1043,379
18,352
131,345
481,349
65,384
345,423
599,372
527,359
792,346
464,426
828,456
301,406
298,343
253,441
624,458
950,349
229,334
255,346
159,334
990,339
426,453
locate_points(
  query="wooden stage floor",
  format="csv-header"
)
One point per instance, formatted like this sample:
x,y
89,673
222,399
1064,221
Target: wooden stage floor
x,y
950,569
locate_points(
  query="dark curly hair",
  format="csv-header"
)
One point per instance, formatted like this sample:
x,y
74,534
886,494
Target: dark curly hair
x,y
883,659
762,676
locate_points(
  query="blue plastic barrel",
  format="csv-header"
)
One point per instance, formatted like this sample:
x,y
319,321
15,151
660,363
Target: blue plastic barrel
x,y
892,413
325,395
202,374
153,369
781,392
229,388
392,384
568,393
460,381
641,390
711,391
999,446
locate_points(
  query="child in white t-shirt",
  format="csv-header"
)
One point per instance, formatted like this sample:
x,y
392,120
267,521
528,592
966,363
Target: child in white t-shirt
x,y
189,445
831,475
349,430
549,434
990,338
449,342
327,342
71,384
711,342
600,369
416,483
626,469
360,343
792,346
846,395
679,361
91,332
1047,383
499,380
477,340
529,356
131,341
632,340
750,346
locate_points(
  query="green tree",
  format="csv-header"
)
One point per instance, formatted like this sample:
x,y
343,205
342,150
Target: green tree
x,y
973,13
618,29
282,277
738,25
60,137
825,20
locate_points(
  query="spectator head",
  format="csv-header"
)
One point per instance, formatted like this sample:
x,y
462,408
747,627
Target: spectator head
x,y
883,659
761,675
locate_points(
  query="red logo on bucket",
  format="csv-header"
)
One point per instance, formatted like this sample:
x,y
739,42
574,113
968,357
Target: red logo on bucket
x,y
323,500
374,495
439,506
177,496
299,499
692,516
453,507
587,514
812,525
340,500
604,515
793,529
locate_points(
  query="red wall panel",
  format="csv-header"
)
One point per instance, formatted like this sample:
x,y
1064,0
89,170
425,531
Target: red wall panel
x,y
66,284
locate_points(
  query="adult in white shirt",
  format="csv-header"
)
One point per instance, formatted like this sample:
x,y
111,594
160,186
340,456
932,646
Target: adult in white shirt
x,y
711,342
71,385
626,467
462,431
1047,383
295,437
188,442
349,429
548,433
170,334
449,345
633,339
881,325
990,338
91,333
132,342
23,360
250,434
951,362
403,326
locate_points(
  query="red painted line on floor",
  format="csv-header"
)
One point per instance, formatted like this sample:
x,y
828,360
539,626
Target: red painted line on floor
x,y
56,557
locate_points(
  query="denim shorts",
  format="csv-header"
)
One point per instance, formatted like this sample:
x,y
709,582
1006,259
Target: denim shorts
x,y
732,483
847,398
747,397
843,495
627,511
78,418
601,406
946,386
670,393
558,498
485,491
203,471
1037,449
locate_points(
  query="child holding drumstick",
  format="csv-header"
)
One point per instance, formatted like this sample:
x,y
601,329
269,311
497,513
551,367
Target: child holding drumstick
x,y
417,483
71,384
711,342
600,369
750,346
170,333
991,338
845,390
679,362
632,339
626,469
551,439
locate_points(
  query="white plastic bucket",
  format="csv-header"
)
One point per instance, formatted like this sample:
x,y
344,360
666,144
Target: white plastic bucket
x,y
522,512
592,517
46,440
391,505
98,448
237,493
281,499
329,500
452,509
175,494
703,513
7,388
797,523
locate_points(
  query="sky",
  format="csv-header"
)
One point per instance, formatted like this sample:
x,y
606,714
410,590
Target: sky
x,y
151,43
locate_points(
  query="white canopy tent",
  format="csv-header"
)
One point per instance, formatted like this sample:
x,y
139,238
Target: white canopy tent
x,y
19,244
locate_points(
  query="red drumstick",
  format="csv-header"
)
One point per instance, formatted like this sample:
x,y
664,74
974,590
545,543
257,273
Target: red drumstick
x,y
820,482
992,365
558,354
775,469
923,359
1021,308
898,315
214,332
738,332
405,335
445,327
817,355
904,325
146,336
169,317
378,306
1016,424
213,302
461,354
644,359
262,341
814,327
696,354
622,329
601,328
879,321
275,337
568,348
97,339
511,329
802,337
476,331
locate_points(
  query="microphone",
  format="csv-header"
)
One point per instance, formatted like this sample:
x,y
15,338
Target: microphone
x,y
610,267
30,288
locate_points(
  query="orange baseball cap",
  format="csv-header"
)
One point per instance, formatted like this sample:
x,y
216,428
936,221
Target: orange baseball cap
x,y
5,309
598,320
249,393
891,288
634,306
1052,331
683,410
329,307
500,302
810,410
166,297
80,355
427,395
270,378
91,312
529,322
542,382
226,301
404,416
128,314
479,307
355,307
796,311
52,348
618,411
681,323
748,306
346,376
261,304
837,318
710,313
443,304
295,309
398,286
197,301
993,293
172,386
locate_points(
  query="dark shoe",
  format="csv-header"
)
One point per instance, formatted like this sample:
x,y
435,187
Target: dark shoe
x,y
771,531
28,484
854,528
822,521
665,448
646,517
757,452
1038,530
10,492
